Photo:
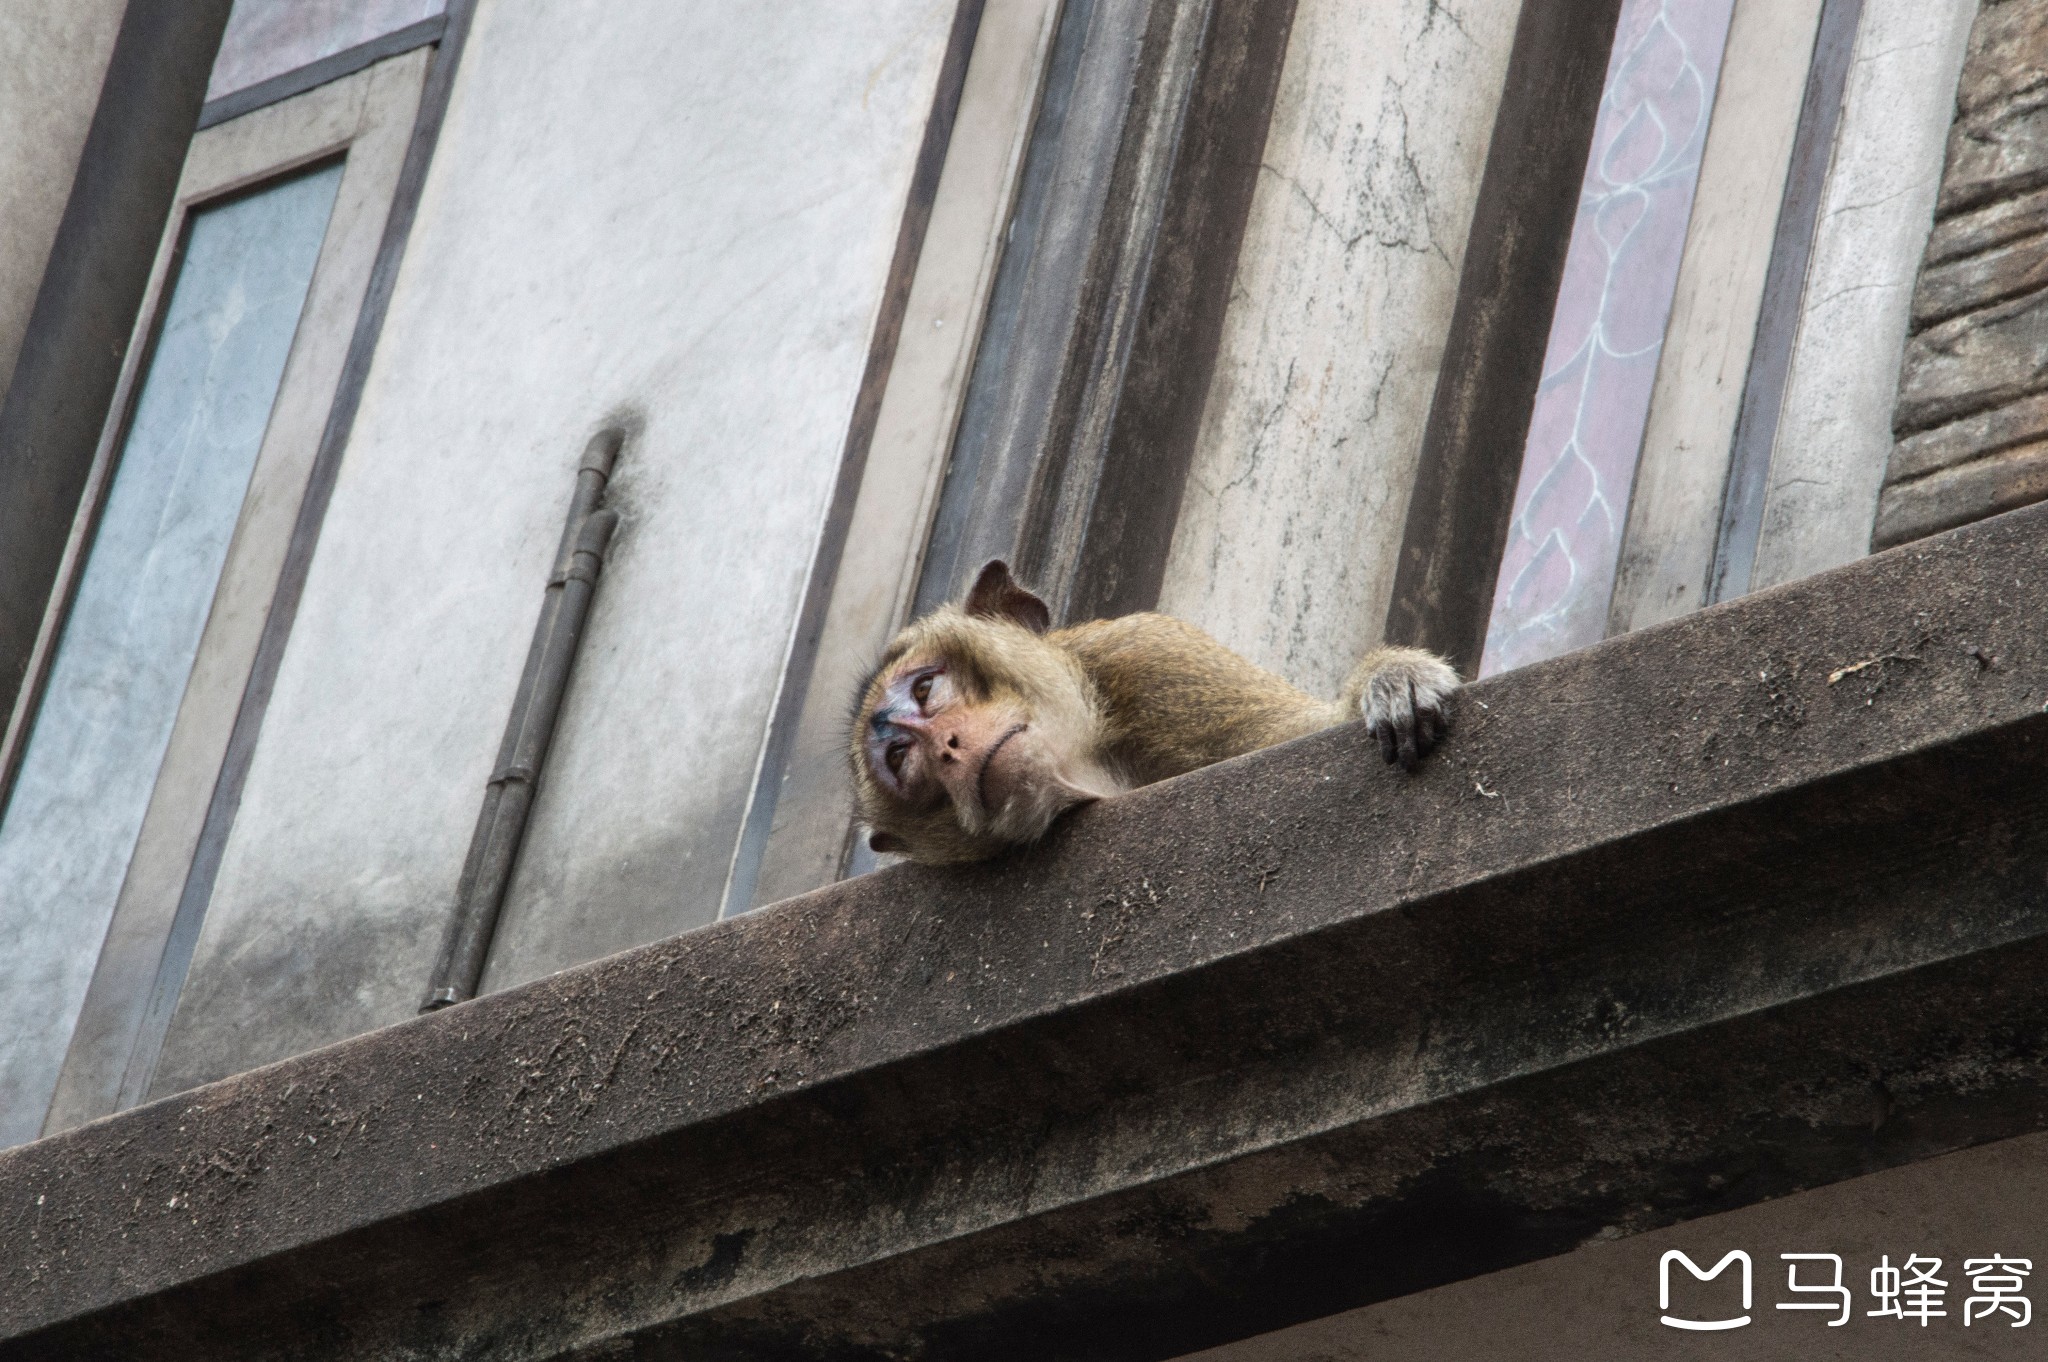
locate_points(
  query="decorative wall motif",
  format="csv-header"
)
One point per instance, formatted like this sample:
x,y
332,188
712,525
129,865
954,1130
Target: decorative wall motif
x,y
1601,362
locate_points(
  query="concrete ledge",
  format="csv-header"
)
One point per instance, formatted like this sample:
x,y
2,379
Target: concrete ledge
x,y
1741,904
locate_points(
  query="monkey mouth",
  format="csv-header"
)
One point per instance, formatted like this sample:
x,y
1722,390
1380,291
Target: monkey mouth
x,y
988,760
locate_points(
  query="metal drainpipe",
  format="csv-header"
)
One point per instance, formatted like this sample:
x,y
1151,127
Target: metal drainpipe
x,y
508,798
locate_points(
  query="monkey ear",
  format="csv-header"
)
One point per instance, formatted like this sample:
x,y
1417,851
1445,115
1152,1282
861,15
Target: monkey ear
x,y
996,595
886,841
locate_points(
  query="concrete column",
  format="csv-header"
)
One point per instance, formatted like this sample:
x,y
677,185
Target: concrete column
x,y
1298,494
66,47
1674,512
1834,434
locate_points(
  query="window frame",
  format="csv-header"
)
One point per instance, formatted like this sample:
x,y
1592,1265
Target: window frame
x,y
367,120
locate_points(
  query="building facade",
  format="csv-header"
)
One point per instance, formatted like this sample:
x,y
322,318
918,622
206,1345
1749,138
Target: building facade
x,y
458,455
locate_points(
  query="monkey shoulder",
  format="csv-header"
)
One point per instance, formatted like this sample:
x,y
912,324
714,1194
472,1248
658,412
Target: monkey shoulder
x,y
1147,651
1174,698
1126,639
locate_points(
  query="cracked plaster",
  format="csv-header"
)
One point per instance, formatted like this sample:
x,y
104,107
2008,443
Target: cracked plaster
x,y
1298,491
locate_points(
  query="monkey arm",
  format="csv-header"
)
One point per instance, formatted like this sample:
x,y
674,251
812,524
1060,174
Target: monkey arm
x,y
1175,699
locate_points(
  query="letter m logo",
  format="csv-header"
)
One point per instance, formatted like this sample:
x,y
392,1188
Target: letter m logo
x,y
1664,1289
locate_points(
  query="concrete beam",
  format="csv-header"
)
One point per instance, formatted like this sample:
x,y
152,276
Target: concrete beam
x,y
1740,904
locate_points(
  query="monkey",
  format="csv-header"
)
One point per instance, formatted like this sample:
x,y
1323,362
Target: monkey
x,y
982,724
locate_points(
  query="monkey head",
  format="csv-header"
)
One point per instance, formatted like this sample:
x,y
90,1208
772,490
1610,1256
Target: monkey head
x,y
975,732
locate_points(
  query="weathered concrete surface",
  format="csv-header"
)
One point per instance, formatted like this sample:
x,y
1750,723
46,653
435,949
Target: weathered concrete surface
x,y
67,47
1630,950
1980,229
1971,407
1960,441
1834,431
1986,358
1999,481
2007,271
1999,145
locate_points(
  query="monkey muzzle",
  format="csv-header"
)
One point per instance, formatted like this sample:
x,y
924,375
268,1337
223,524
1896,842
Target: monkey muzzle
x,y
1021,789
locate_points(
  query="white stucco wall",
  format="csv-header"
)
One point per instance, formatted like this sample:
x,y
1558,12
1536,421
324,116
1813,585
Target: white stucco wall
x,y
1299,491
682,214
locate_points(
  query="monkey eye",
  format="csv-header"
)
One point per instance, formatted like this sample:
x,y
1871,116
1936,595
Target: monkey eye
x,y
921,689
894,755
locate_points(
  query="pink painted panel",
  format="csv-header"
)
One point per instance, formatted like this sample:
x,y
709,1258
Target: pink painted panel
x,y
1584,438
267,38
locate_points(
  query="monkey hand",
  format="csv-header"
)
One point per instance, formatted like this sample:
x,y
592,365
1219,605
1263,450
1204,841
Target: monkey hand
x,y
1402,694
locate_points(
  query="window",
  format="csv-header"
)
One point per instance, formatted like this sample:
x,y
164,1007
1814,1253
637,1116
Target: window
x,y
149,641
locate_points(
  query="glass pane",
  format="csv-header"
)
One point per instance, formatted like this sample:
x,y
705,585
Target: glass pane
x,y
1557,572
120,668
267,38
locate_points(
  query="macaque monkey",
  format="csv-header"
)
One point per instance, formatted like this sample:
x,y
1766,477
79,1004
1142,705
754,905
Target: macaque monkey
x,y
980,727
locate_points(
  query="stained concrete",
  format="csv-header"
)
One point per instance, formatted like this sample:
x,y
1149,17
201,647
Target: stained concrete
x,y
66,47
1628,952
1295,503
678,216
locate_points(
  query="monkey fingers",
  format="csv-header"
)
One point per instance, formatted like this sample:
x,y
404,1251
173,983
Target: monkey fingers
x,y
1401,694
1434,725
1409,732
